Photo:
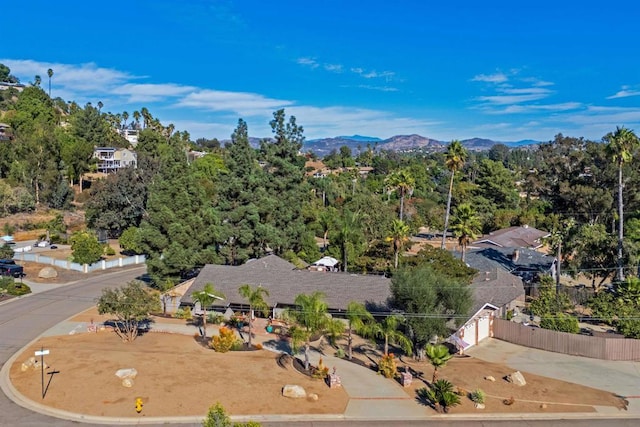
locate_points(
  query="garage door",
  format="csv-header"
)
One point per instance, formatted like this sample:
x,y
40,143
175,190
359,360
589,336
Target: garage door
x,y
470,334
483,328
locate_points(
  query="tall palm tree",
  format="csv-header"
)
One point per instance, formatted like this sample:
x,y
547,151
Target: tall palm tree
x,y
399,234
388,329
100,105
327,220
621,146
146,116
348,232
466,226
357,315
37,80
255,298
311,316
438,356
125,117
455,157
404,182
136,117
206,297
50,74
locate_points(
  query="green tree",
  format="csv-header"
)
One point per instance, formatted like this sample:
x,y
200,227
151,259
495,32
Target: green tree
x,y
206,298
420,290
347,235
6,251
387,329
438,356
466,226
50,74
404,182
255,298
357,315
129,240
130,304
327,219
548,303
86,248
621,147
398,236
455,157
311,316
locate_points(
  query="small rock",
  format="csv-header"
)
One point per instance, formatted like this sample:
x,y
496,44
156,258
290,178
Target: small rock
x,y
313,396
516,378
294,391
127,382
490,378
479,405
543,406
126,373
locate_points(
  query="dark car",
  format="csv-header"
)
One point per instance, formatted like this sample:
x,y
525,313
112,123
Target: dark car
x,y
11,270
7,261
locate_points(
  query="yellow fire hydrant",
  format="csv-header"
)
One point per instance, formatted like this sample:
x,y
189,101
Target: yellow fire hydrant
x,y
139,405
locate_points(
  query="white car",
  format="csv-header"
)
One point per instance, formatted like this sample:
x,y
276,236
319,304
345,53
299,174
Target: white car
x,y
42,244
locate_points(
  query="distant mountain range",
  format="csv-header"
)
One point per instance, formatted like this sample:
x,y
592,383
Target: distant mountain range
x,y
404,143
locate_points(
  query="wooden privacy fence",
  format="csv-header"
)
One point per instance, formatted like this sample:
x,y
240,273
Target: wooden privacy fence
x,y
562,342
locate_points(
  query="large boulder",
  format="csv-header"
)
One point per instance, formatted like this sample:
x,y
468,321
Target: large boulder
x,y
48,273
516,378
294,391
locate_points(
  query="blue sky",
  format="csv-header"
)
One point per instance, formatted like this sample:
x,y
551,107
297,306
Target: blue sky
x,y
503,70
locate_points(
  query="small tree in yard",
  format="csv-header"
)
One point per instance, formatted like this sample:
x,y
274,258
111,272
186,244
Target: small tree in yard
x,y
130,304
6,252
217,417
438,356
86,248
255,298
206,297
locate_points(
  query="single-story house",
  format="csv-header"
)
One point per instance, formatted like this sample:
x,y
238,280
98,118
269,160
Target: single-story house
x,y
284,282
513,237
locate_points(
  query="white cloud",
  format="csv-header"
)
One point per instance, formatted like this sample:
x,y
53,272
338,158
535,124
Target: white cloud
x,y
490,78
309,62
335,68
388,75
380,88
625,92
241,103
147,92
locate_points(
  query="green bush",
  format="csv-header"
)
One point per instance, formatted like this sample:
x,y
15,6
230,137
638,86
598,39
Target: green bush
x,y
11,287
181,313
340,353
387,366
477,396
109,251
6,251
560,322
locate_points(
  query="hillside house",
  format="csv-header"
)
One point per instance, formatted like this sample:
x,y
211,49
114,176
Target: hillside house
x,y
513,237
111,159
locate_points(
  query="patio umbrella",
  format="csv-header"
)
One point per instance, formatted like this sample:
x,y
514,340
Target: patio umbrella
x,y
7,238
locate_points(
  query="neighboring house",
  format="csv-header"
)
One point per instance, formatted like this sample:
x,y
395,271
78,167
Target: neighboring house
x,y
130,135
17,86
111,159
317,169
5,132
284,282
513,237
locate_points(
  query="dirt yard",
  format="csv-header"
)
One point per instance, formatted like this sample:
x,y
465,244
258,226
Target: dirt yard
x,y
539,395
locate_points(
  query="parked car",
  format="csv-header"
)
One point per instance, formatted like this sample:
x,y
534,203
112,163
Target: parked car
x,y
11,270
42,244
7,261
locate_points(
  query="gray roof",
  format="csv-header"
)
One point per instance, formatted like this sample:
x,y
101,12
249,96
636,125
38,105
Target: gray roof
x,y
284,283
513,237
497,287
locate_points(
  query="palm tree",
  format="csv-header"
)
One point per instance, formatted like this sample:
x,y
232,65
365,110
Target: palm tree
x,y
357,315
125,117
50,74
136,117
348,232
146,117
100,105
206,297
311,316
404,182
466,226
455,157
438,356
327,220
399,235
255,297
388,329
37,80
621,146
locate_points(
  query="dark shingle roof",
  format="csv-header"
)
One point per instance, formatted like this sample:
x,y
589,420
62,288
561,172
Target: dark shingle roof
x,y
284,284
497,287
513,237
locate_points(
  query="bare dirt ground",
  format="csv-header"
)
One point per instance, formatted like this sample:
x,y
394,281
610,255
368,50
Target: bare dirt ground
x,y
176,376
539,395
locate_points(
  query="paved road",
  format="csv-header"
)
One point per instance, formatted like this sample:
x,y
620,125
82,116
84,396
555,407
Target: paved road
x,y
23,320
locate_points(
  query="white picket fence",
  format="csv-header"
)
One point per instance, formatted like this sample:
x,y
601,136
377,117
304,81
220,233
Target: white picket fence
x,y
83,268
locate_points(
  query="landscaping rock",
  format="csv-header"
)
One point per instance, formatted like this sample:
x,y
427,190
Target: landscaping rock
x,y
127,382
516,378
543,406
479,405
129,373
293,391
490,378
313,397
48,273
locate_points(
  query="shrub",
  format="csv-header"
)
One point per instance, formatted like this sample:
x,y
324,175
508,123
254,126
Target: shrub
x,y
217,417
340,353
509,315
109,251
214,318
322,371
387,366
11,287
258,346
440,395
477,396
182,313
6,251
225,341
560,322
